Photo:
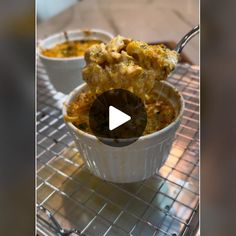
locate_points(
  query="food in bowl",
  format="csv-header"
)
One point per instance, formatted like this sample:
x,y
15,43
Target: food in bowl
x,y
160,112
72,48
127,64
140,68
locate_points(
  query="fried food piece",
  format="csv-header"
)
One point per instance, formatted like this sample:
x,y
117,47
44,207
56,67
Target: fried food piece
x,y
127,64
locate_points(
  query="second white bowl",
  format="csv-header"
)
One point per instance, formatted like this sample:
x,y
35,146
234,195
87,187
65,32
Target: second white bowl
x,y
66,73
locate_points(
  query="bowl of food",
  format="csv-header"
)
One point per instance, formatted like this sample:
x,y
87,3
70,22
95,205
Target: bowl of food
x,y
140,69
62,55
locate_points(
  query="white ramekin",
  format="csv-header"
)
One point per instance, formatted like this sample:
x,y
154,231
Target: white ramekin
x,y
66,73
134,162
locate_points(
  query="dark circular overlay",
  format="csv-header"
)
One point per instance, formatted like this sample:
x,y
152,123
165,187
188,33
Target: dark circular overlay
x,y
126,102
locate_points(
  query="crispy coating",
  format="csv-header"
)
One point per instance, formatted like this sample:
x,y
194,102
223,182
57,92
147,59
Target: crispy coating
x,y
160,112
128,64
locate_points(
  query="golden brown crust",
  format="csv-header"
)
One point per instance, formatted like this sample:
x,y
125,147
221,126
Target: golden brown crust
x,y
128,64
75,48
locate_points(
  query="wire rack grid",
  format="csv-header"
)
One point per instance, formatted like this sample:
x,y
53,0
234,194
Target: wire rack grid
x,y
70,197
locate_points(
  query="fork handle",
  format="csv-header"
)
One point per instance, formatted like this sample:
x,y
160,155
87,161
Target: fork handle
x,y
186,38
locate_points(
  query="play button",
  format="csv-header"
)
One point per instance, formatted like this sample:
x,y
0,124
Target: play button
x,y
117,117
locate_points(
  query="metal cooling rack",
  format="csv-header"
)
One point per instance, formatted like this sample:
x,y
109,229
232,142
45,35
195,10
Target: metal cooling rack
x,y
70,198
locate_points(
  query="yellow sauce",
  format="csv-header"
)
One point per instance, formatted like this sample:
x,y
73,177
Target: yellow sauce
x,y
74,48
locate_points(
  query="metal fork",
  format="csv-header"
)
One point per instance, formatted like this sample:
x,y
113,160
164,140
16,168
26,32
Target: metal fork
x,y
181,44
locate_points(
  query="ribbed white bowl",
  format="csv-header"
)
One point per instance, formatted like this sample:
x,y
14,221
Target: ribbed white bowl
x,y
134,162
66,73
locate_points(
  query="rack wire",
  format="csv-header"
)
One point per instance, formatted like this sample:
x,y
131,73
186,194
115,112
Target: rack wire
x,y
72,201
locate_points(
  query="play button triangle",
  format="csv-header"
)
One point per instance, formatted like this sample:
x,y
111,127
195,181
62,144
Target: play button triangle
x,y
117,118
